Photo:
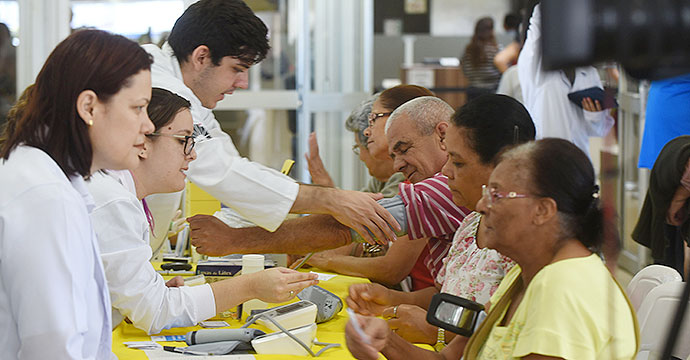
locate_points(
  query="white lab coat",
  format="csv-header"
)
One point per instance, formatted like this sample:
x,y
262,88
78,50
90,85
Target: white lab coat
x,y
54,301
545,95
510,84
256,192
137,291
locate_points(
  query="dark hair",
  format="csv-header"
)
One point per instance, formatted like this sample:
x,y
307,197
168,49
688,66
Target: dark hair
x,y
494,122
512,21
164,105
15,113
392,98
483,36
86,60
227,27
560,170
5,36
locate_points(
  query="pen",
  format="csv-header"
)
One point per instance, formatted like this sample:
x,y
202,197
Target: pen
x,y
358,329
184,351
304,261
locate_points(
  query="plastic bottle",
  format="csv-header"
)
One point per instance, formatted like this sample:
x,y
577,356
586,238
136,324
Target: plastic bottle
x,y
250,264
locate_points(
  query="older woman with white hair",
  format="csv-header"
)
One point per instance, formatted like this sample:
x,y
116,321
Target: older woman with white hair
x,y
383,180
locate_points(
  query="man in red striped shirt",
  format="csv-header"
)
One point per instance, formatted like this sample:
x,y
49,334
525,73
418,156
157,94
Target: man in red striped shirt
x,y
415,133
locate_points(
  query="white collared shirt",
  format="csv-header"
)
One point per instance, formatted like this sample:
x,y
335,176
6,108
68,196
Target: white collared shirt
x,y
137,291
54,301
258,193
545,95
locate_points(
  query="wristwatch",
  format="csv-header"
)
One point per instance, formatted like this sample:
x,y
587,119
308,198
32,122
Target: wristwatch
x,y
440,340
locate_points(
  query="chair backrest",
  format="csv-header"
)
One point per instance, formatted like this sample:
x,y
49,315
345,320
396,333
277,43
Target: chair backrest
x,y
655,317
647,279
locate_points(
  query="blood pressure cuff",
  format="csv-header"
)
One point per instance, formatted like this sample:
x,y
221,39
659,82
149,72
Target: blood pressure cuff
x,y
396,207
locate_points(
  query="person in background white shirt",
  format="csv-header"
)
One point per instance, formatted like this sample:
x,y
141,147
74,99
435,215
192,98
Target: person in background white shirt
x,y
119,218
86,112
510,84
545,95
208,54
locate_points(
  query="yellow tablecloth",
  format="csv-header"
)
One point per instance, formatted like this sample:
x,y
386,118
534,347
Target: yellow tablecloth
x,y
332,331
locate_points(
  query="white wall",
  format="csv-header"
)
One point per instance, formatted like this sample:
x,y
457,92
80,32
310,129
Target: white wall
x,y
457,17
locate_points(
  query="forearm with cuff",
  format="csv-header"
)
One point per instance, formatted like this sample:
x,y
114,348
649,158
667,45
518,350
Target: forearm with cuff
x,y
396,207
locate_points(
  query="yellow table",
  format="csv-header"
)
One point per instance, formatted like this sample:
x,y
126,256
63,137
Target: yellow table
x,y
332,331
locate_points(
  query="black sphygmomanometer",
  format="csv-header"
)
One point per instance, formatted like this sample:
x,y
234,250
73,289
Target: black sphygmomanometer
x,y
455,314
294,326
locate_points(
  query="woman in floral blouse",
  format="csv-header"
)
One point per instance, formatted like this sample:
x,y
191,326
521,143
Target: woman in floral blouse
x,y
478,132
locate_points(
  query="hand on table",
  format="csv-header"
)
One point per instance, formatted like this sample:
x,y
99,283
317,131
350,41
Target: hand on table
x,y
317,170
378,333
409,322
318,259
206,234
369,299
294,260
360,211
280,284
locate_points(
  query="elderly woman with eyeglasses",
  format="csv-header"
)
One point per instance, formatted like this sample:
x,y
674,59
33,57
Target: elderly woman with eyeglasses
x,y
367,122
383,180
540,208
122,222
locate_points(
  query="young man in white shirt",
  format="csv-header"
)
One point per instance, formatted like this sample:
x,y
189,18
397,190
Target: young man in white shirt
x,y
207,56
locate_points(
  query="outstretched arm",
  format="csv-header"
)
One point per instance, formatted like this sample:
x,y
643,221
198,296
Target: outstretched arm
x,y
272,285
295,236
354,209
388,269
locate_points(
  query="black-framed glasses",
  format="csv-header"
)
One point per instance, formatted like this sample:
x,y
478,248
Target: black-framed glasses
x,y
186,140
374,116
492,195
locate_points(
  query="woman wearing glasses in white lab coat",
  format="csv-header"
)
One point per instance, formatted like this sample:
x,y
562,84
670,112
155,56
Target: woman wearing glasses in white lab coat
x,y
85,112
121,223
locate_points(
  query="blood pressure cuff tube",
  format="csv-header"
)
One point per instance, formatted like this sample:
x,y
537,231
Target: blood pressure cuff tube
x,y
396,207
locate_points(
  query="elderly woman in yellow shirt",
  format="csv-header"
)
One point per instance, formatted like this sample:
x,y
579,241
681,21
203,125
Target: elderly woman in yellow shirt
x,y
560,302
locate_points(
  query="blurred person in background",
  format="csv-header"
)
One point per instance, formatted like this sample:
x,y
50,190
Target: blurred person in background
x,y
478,60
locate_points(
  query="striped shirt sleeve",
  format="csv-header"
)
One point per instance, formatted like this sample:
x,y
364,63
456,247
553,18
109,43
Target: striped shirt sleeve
x,y
430,209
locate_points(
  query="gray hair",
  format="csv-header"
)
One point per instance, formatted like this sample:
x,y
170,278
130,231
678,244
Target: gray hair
x,y
425,111
358,120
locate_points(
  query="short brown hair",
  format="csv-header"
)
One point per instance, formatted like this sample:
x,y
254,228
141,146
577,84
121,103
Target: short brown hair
x,y
86,60
392,98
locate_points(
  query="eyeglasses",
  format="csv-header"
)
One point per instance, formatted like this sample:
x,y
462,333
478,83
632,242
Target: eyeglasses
x,y
492,195
373,116
186,140
355,149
